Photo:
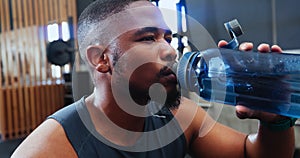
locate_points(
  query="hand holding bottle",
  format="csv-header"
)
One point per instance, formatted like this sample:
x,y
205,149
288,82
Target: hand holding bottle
x,y
242,111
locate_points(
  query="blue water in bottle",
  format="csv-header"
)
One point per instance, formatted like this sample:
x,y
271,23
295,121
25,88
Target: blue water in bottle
x,y
263,81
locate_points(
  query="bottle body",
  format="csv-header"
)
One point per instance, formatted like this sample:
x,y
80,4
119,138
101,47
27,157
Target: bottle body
x,y
262,81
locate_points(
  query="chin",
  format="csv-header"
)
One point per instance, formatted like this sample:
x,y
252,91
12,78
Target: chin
x,y
142,97
173,98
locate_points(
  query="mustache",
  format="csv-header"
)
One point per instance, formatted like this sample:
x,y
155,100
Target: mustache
x,y
167,69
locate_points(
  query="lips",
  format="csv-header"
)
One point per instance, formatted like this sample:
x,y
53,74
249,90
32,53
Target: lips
x,y
171,77
166,74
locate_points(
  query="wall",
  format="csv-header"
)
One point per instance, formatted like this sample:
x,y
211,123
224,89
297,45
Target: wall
x,y
272,21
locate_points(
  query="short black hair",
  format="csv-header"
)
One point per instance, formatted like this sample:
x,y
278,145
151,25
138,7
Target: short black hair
x,y
96,12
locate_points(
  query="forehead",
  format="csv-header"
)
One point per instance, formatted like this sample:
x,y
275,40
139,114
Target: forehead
x,y
141,14
137,15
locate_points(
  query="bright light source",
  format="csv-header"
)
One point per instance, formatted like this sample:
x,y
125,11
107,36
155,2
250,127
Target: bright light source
x,y
169,12
185,40
56,71
170,4
67,68
184,25
174,43
52,31
65,31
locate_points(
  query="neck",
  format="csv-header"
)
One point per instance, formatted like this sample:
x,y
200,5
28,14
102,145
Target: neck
x,y
104,102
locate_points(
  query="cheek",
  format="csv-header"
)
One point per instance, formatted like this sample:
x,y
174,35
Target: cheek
x,y
139,65
145,75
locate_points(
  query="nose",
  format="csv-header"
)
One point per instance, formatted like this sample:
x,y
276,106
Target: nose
x,y
167,52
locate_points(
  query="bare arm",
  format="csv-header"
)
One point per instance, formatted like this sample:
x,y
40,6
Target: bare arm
x,y
206,137
48,140
267,143
222,141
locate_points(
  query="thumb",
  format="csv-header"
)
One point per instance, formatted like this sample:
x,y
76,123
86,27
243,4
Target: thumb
x,y
243,112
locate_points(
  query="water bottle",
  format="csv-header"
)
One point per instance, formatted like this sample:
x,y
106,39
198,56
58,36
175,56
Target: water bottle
x,y
262,81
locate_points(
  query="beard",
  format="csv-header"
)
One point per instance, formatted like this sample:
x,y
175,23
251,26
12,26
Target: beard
x,y
167,96
141,95
173,98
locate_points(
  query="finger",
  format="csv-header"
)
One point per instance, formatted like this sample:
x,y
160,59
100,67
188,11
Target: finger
x,y
264,48
276,48
222,43
246,46
243,112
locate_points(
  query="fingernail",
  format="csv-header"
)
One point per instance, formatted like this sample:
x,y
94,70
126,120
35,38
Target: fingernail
x,y
243,46
246,46
264,47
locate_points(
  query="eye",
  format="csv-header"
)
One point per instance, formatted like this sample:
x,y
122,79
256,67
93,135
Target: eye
x,y
147,38
169,40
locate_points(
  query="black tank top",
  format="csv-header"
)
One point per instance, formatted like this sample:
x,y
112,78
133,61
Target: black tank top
x,y
87,145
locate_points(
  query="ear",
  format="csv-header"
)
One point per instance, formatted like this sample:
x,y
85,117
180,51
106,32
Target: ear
x,y
103,64
93,54
98,59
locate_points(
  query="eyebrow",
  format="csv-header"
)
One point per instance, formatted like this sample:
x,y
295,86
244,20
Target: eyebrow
x,y
152,30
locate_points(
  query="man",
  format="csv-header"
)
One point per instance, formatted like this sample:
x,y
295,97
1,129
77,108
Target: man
x,y
125,44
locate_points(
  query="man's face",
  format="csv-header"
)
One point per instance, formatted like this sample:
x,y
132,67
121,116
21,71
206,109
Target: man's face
x,y
144,56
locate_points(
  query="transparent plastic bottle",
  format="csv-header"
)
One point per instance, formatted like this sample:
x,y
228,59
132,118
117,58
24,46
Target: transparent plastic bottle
x,y
262,81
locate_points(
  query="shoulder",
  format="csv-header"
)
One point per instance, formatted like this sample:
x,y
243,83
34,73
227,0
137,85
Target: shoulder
x,y
47,140
190,117
202,132
189,114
